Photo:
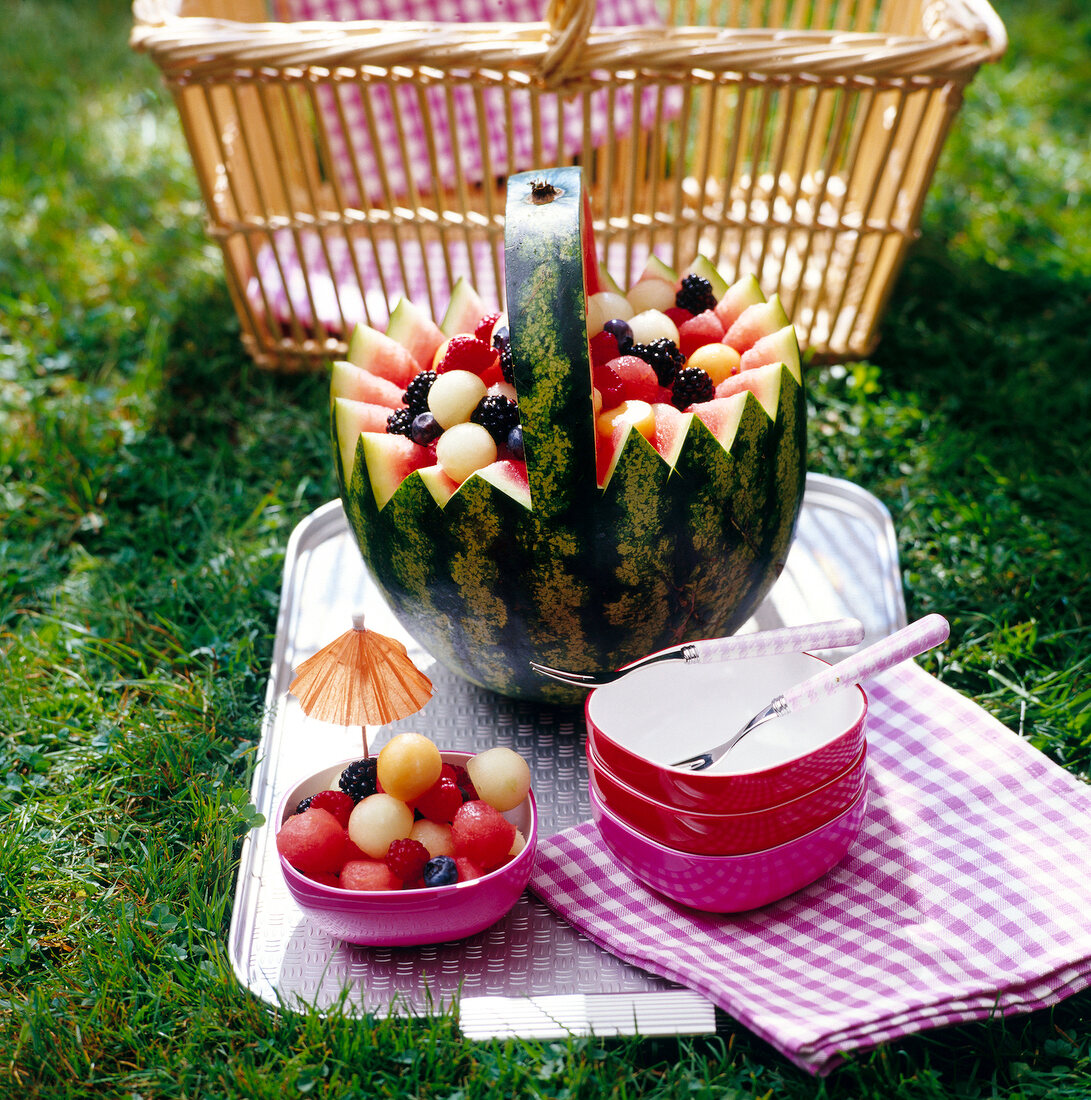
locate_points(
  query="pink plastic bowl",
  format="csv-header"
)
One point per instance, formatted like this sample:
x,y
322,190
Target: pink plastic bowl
x,y
726,834
661,713
396,918
731,884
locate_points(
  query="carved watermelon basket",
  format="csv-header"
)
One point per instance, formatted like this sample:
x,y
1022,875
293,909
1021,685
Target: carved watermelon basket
x,y
345,163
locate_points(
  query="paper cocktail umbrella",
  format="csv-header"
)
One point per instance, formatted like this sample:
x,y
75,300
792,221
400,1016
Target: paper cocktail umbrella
x,y
360,679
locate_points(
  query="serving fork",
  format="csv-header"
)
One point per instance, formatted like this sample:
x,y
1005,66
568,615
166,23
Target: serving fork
x,y
786,639
910,641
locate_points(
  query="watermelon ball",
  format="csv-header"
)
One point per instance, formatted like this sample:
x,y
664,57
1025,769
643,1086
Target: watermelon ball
x,y
368,874
464,449
441,871
377,822
442,800
454,396
409,763
467,869
313,842
500,776
481,833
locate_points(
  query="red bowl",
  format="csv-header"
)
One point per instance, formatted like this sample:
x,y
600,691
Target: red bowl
x,y
726,834
640,724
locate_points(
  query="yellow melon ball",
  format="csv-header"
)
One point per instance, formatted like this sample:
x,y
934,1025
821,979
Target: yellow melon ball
x,y
408,764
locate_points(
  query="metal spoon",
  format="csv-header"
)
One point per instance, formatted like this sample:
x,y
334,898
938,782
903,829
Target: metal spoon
x,y
910,641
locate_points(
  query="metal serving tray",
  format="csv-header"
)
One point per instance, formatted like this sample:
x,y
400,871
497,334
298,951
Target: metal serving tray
x,y
531,975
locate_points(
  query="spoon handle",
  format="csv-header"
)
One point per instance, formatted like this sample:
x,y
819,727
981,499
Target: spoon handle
x,y
908,642
783,639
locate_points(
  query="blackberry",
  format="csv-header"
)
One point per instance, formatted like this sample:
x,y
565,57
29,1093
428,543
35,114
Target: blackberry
x,y
399,422
622,332
358,779
497,414
416,393
304,805
695,294
440,871
691,386
501,340
425,429
663,357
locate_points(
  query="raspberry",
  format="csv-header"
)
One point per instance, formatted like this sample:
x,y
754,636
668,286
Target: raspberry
x,y
663,357
695,294
337,802
465,784
486,325
442,800
691,386
399,422
406,858
465,352
497,414
358,779
440,871
416,393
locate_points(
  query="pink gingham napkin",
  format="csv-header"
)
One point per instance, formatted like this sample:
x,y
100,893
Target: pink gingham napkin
x,y
965,897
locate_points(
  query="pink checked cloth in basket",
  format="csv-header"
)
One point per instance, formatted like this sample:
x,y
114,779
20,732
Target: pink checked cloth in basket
x,y
967,895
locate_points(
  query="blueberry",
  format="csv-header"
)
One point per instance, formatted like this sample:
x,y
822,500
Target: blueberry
x,y
425,429
515,441
440,871
621,332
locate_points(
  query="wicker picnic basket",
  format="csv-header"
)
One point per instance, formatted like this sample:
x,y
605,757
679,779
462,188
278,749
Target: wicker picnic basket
x,y
345,164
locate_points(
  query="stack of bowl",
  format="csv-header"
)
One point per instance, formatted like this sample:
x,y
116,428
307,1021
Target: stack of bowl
x,y
776,813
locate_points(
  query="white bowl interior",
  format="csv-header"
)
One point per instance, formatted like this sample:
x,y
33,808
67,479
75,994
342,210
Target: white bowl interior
x,y
669,711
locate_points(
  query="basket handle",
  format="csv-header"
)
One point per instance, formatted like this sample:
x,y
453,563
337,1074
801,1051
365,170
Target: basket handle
x,y
569,23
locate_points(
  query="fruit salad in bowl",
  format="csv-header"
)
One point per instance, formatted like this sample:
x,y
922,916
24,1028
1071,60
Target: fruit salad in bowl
x,y
413,846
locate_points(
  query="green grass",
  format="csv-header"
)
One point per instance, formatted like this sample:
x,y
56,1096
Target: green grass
x,y
150,477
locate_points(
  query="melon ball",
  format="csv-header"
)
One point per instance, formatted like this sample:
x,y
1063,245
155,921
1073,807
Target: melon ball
x,y
500,776
652,325
454,396
377,821
435,836
464,449
504,389
637,413
408,764
718,361
655,294
605,306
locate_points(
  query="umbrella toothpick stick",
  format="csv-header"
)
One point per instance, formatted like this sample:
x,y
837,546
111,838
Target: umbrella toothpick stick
x,y
361,678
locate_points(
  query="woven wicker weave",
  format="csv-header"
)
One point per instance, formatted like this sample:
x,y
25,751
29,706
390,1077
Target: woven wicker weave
x,y
792,138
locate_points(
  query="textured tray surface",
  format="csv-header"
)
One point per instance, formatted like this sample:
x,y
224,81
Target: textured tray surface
x,y
531,975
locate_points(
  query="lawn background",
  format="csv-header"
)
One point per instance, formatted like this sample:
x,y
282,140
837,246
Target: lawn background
x,y
150,477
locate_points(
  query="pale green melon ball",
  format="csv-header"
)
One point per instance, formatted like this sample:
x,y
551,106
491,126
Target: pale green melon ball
x,y
454,396
606,306
652,324
500,776
463,449
651,294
